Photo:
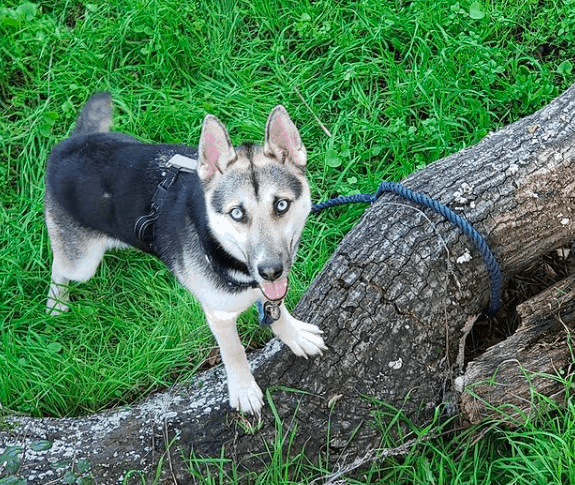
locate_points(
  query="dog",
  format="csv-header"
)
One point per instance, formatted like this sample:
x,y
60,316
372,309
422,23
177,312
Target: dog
x,y
226,221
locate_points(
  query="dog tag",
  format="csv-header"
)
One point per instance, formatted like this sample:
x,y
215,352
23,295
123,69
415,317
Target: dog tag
x,y
272,309
185,164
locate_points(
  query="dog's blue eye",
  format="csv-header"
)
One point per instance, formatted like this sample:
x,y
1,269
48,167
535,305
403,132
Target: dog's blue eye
x,y
282,206
237,214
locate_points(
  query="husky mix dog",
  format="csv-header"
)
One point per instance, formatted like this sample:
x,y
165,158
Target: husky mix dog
x,y
227,222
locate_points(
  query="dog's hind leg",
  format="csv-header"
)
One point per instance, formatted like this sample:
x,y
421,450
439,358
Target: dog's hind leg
x,y
58,293
72,263
77,254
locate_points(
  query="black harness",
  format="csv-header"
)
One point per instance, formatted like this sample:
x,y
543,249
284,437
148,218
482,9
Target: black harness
x,y
144,227
144,231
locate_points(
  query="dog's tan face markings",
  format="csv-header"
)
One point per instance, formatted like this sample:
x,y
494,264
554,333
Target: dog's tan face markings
x,y
257,197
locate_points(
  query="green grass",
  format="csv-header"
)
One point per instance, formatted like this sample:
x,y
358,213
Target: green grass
x,y
399,84
536,450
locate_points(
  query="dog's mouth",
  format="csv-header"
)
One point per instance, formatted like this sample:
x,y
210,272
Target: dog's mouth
x,y
275,290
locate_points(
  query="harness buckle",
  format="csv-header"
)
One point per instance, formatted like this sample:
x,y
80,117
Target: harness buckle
x,y
182,163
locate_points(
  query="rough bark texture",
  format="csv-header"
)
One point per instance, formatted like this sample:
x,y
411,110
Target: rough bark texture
x,y
392,301
530,360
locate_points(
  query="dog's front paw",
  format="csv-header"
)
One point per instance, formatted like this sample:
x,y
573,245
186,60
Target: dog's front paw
x,y
304,339
246,397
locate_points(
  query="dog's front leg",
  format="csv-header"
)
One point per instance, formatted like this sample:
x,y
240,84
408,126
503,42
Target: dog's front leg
x,y
245,395
304,339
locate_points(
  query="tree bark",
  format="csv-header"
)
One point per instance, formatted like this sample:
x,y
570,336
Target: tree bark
x,y
395,302
532,359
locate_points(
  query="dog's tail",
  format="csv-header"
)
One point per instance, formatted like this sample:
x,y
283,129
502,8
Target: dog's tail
x,y
96,116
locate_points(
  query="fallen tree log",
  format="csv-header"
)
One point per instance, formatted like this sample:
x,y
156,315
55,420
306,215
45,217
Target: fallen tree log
x,y
536,358
395,302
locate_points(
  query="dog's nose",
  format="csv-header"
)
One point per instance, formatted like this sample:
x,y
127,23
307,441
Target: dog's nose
x,y
270,271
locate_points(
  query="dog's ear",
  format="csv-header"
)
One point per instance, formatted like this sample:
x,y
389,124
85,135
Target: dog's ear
x,y
215,150
283,140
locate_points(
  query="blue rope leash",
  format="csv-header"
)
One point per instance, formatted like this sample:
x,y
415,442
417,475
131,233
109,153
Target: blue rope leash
x,y
424,200
462,224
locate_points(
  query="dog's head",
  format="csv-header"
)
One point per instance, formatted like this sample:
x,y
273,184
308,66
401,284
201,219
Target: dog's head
x,y
257,198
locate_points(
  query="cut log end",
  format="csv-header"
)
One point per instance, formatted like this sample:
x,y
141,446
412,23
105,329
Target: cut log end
x,y
533,362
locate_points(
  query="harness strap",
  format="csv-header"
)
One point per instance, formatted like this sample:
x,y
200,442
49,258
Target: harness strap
x,y
144,226
229,279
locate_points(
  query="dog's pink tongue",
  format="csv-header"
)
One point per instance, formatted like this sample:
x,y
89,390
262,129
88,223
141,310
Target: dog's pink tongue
x,y
275,290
